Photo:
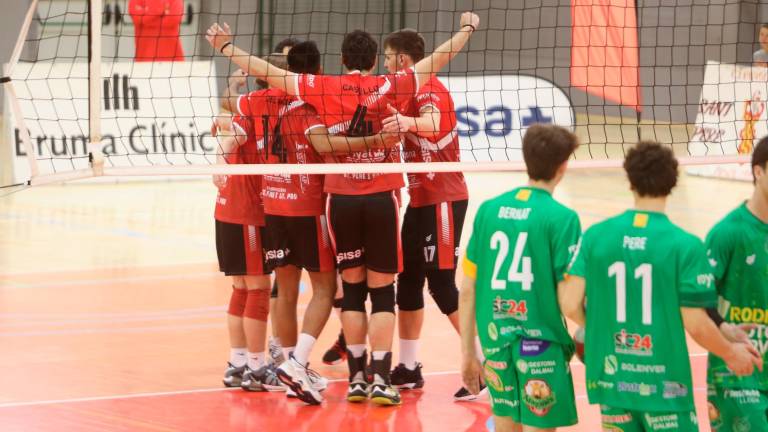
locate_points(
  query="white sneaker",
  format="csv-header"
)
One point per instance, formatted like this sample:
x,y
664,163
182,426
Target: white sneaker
x,y
275,352
319,382
294,375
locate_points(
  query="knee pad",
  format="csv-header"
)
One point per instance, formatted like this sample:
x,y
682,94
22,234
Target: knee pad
x,y
257,305
355,295
410,291
237,302
383,299
273,294
442,287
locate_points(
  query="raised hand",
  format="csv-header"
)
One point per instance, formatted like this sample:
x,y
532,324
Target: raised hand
x,y
469,18
218,36
238,79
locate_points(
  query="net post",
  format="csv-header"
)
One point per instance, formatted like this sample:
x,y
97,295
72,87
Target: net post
x,y
95,155
10,90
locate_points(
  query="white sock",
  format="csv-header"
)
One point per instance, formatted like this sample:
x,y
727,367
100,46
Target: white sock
x,y
256,360
479,350
356,350
238,357
276,341
287,352
303,348
379,355
409,350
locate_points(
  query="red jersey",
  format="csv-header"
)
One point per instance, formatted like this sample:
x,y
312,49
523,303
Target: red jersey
x,y
432,188
295,195
355,105
239,201
156,26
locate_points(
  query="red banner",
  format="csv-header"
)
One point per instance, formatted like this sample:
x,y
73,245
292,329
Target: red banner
x,y
604,51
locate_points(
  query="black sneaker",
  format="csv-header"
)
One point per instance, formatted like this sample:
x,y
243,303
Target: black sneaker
x,y
337,353
406,379
358,384
233,376
463,395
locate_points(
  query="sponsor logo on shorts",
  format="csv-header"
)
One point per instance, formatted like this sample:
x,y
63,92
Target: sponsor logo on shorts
x,y
493,379
609,365
741,425
538,397
276,253
599,384
617,419
543,367
493,332
522,366
664,421
491,351
674,389
533,347
498,365
642,389
347,256
743,396
503,401
633,343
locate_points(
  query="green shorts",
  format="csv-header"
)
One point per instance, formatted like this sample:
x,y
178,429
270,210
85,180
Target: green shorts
x,y
530,382
624,420
737,410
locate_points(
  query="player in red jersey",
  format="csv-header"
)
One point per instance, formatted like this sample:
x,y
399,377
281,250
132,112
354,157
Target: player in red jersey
x,y
156,25
434,218
363,209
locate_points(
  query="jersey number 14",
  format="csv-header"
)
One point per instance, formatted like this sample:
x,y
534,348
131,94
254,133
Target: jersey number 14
x,y
500,243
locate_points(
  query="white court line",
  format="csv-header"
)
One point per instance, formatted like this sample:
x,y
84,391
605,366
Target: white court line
x,y
206,390
108,280
159,394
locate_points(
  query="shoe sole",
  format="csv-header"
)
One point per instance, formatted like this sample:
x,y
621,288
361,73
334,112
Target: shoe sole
x,y
385,401
255,390
296,387
409,386
232,384
273,388
357,399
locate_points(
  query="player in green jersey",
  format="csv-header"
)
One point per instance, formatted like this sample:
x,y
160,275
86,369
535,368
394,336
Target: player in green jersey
x,y
645,279
738,253
520,247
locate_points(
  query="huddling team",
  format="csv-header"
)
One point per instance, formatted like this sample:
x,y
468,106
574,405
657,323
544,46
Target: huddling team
x,y
527,261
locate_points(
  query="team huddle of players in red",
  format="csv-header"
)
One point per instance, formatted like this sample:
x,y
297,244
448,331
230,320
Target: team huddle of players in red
x,y
340,224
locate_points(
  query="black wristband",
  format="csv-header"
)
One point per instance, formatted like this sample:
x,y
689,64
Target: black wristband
x,y
221,50
714,315
469,25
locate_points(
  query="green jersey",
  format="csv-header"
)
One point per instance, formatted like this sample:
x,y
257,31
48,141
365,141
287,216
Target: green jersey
x,y
738,253
521,244
640,269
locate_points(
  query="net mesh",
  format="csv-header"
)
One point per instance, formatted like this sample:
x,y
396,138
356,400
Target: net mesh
x,y
614,72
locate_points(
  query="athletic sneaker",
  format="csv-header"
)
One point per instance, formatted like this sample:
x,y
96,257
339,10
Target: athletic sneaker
x,y
381,391
233,376
263,379
407,379
295,375
382,394
463,395
337,353
358,384
319,382
275,352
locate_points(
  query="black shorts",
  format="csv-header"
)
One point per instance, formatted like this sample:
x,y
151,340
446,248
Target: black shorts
x,y
240,249
302,241
365,231
431,235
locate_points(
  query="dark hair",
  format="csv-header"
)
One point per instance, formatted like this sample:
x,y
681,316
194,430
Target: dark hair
x,y
760,156
651,169
287,42
408,42
359,50
275,59
545,148
304,58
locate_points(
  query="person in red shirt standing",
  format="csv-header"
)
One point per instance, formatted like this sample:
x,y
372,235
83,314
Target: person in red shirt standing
x,y
362,208
434,218
156,26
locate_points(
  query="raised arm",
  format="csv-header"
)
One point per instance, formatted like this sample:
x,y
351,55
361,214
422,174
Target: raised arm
x,y
325,143
443,54
220,38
